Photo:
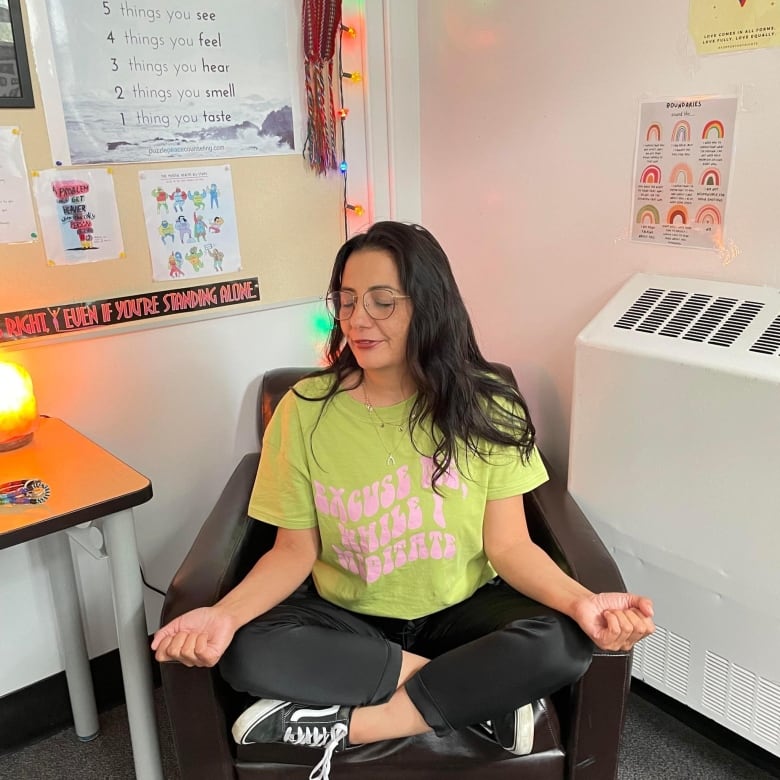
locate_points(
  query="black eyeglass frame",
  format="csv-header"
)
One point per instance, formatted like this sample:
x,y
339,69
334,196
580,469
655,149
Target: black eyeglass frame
x,y
331,306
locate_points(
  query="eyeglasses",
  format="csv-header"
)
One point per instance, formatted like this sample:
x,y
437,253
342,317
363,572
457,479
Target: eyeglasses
x,y
379,303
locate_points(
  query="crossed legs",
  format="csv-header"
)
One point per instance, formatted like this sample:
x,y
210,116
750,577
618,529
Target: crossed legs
x,y
486,656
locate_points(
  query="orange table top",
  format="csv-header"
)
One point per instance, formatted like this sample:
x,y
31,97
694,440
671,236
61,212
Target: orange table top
x,y
86,483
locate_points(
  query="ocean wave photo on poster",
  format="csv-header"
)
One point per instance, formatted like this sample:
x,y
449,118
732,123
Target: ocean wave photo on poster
x,y
156,131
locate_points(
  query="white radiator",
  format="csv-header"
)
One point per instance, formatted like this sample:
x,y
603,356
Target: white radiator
x,y
675,458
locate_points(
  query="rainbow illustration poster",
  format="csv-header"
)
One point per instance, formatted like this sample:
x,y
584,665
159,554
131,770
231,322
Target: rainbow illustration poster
x,y
681,171
719,26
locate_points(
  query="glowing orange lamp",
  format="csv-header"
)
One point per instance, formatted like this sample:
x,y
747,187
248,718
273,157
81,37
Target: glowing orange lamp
x,y
18,408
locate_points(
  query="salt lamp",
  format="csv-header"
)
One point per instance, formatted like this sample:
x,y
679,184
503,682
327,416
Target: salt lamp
x,y
18,408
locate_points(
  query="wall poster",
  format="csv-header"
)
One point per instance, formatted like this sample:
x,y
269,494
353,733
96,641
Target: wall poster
x,y
734,25
79,215
168,80
681,171
190,222
17,220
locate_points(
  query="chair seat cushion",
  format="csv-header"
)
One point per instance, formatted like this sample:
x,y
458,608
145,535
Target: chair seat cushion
x,y
418,757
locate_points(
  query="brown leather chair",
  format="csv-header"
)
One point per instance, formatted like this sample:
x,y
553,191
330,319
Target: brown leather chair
x,y
577,731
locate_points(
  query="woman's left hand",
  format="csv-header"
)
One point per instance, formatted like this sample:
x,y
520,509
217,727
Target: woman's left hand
x,y
615,621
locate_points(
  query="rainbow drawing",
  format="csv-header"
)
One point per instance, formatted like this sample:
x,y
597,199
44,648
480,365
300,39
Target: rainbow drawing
x,y
678,215
713,129
653,132
710,178
708,215
648,215
681,132
651,175
681,174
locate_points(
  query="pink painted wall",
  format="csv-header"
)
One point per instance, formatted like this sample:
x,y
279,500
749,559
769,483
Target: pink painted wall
x,y
528,130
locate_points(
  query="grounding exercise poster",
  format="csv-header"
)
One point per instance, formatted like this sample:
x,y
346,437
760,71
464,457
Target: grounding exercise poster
x,y
168,80
681,171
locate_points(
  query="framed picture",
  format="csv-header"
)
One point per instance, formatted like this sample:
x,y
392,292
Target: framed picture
x,y
15,86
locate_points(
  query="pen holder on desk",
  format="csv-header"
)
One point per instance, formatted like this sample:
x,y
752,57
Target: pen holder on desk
x,y
18,408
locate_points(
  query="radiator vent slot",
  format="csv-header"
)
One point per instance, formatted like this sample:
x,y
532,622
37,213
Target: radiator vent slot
x,y
653,657
688,312
742,696
713,315
768,342
639,308
665,658
768,712
698,317
661,312
678,664
742,699
735,325
716,683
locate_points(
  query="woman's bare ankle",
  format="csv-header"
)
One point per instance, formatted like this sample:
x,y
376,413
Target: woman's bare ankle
x,y
397,717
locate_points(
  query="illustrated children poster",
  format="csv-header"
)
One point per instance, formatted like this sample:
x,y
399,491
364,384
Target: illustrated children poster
x,y
681,171
17,221
170,80
78,213
190,222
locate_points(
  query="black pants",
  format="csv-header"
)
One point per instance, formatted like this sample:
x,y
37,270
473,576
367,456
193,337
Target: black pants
x,y
490,654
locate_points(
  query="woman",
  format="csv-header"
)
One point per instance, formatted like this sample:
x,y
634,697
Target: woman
x,y
396,479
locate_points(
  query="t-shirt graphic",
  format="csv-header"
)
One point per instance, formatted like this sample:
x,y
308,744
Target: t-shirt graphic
x,y
391,545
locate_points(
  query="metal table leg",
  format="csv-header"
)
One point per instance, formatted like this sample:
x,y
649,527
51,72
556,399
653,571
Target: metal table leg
x,y
119,533
59,563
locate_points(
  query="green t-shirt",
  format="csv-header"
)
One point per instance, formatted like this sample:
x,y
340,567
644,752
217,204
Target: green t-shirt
x,y
390,545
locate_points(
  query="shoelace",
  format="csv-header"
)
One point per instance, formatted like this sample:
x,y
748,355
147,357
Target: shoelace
x,y
322,770
311,737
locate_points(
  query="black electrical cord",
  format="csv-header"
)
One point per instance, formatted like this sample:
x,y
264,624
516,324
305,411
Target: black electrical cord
x,y
151,587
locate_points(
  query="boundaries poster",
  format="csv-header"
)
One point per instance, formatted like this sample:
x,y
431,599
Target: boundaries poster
x,y
681,171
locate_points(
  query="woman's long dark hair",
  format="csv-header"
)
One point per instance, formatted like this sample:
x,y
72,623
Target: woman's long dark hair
x,y
460,396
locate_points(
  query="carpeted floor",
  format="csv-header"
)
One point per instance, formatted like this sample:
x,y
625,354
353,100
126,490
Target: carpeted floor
x,y
656,746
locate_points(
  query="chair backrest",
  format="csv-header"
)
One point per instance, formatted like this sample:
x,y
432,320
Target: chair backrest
x,y
278,381
274,385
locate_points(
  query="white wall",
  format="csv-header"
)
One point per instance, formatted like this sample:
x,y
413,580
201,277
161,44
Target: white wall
x,y
175,403
528,128
528,122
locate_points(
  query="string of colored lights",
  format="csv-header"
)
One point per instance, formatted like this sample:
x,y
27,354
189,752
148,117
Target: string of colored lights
x,y
343,112
321,321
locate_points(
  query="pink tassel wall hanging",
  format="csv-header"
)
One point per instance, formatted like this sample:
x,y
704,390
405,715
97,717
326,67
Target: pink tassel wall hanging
x,y
321,22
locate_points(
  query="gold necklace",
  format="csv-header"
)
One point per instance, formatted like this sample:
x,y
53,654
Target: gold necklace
x,y
380,423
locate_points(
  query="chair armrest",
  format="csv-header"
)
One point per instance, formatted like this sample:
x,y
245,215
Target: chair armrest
x,y
592,712
194,697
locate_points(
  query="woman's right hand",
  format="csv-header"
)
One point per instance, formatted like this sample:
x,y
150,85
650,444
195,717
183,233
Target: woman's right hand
x,y
196,638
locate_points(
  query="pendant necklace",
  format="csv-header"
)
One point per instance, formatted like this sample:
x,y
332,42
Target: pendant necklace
x,y
379,424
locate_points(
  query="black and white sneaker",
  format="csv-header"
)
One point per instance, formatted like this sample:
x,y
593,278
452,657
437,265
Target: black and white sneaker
x,y
268,720
514,731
